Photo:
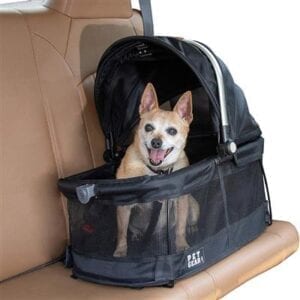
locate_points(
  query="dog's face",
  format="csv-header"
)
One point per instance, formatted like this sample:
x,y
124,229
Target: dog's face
x,y
161,134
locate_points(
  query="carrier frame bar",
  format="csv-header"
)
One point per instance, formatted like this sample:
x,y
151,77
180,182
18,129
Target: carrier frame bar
x,y
231,146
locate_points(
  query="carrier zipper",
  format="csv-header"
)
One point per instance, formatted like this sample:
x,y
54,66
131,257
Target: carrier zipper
x,y
225,204
169,245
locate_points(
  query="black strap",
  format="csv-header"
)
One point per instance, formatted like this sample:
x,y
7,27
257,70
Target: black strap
x,y
145,6
269,217
156,209
155,214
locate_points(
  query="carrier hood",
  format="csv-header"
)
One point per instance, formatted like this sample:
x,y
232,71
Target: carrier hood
x,y
127,66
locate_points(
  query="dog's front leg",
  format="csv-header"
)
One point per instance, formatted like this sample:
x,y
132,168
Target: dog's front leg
x,y
182,215
123,216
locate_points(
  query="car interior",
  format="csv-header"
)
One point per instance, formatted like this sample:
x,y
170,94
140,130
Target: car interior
x,y
49,129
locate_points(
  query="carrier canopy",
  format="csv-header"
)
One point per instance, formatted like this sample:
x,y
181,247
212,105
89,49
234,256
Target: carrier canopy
x,y
174,66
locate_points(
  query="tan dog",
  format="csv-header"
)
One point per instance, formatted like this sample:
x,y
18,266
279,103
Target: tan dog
x,y
158,145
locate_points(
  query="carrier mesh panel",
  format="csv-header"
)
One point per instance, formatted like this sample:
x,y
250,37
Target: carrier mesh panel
x,y
94,229
245,191
215,208
154,228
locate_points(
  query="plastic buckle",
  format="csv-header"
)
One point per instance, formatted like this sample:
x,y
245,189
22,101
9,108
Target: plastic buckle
x,y
227,151
228,148
85,193
221,149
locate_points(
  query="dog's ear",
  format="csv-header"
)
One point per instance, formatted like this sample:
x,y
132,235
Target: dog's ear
x,y
184,107
149,99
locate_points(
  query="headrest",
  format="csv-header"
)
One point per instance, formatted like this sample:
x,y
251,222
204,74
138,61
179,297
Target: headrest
x,y
92,8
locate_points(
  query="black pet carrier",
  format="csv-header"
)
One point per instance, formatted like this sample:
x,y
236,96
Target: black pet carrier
x,y
225,177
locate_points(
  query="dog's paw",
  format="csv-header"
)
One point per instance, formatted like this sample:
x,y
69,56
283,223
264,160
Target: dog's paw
x,y
120,252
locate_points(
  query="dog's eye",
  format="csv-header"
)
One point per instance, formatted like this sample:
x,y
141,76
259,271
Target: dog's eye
x,y
149,127
172,131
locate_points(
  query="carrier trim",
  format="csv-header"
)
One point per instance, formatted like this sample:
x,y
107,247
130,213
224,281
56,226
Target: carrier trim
x,y
221,89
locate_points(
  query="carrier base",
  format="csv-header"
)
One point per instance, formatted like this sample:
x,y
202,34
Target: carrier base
x,y
277,243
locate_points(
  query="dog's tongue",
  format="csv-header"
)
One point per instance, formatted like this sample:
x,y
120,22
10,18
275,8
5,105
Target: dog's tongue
x,y
157,155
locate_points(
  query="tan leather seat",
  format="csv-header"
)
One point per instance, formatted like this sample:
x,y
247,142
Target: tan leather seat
x,y
49,128
49,53
54,282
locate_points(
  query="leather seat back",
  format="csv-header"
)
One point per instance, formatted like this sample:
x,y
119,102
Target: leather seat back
x,y
48,125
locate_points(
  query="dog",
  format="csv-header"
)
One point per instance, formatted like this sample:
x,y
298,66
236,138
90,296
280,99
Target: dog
x,y
158,145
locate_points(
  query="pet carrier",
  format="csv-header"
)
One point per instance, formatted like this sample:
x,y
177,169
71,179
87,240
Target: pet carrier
x,y
225,177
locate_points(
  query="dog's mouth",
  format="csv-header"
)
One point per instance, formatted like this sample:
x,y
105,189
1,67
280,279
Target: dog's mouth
x,y
157,156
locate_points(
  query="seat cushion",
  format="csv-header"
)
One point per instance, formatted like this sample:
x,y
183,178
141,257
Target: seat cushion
x,y
48,121
54,282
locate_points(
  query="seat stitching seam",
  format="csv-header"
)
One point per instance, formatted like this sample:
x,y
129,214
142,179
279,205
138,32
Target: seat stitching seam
x,y
49,122
56,50
185,291
57,11
86,77
213,281
68,7
69,33
282,240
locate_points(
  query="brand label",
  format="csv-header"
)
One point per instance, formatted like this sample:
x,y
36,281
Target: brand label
x,y
195,258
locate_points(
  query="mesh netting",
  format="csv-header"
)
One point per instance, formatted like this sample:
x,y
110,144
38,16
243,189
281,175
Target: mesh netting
x,y
155,228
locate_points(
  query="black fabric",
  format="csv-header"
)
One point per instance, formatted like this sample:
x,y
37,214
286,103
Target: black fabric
x,y
162,269
173,66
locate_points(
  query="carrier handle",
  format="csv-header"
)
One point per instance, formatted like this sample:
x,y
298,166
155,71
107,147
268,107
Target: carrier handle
x,y
145,7
228,145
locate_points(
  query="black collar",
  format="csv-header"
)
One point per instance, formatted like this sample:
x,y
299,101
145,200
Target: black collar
x,y
161,171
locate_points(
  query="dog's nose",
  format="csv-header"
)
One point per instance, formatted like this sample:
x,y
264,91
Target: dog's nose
x,y
156,143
